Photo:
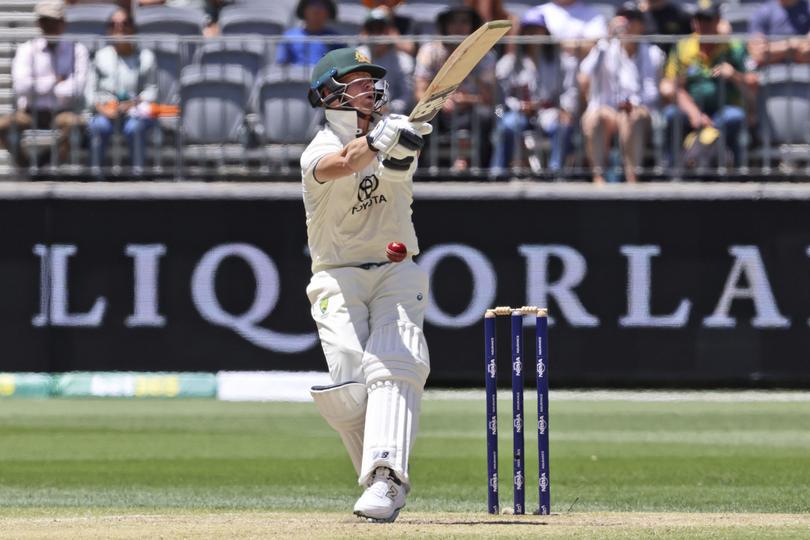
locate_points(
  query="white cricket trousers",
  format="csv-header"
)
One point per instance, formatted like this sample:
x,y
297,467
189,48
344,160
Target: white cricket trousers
x,y
349,303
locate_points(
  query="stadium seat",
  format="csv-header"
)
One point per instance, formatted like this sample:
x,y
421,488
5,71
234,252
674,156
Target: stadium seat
x,y
250,54
738,15
88,20
169,20
252,19
170,55
285,116
213,103
785,93
784,99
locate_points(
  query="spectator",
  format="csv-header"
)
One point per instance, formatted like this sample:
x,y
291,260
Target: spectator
x,y
469,108
315,14
539,85
397,64
403,25
668,18
121,89
780,18
48,76
706,82
621,78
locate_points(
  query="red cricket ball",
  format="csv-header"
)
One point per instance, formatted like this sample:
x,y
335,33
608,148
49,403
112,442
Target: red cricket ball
x,y
396,251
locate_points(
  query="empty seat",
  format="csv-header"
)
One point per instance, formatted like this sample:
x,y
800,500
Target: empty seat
x,y
169,20
251,19
170,56
213,103
285,115
785,101
250,54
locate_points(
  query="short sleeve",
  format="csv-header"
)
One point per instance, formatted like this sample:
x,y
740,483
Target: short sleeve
x,y
321,146
671,69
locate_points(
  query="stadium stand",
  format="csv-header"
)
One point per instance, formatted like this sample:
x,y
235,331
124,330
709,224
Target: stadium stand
x,y
738,15
785,97
286,122
213,105
267,119
169,20
87,21
253,19
350,17
252,55
423,15
17,24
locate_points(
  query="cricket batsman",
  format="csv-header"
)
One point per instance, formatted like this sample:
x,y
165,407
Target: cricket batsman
x,y
367,295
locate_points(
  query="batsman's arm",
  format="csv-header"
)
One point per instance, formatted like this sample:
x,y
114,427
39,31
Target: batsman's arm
x,y
352,158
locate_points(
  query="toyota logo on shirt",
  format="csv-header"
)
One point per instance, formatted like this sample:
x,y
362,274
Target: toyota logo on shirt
x,y
367,187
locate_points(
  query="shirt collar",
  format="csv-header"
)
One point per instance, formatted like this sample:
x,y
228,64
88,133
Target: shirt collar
x,y
343,123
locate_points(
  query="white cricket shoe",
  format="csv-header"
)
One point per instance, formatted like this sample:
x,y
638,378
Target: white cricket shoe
x,y
383,498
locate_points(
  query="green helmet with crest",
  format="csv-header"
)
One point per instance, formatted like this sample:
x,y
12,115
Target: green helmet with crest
x,y
325,88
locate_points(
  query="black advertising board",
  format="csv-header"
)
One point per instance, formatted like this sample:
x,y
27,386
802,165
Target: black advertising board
x,y
645,286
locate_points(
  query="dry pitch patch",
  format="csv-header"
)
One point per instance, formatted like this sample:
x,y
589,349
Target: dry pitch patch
x,y
412,525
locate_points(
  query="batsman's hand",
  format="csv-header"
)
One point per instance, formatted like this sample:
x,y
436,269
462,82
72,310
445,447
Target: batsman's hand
x,y
410,143
386,134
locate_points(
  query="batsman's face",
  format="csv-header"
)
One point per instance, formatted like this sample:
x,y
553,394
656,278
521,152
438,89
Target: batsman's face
x,y
360,91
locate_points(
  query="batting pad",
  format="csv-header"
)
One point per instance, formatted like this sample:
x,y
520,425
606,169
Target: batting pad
x,y
343,406
397,351
392,421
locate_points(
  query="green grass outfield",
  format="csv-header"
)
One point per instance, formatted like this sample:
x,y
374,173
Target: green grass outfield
x,y
112,466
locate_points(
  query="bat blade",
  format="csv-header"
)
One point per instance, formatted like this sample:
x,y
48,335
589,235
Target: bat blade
x,y
456,68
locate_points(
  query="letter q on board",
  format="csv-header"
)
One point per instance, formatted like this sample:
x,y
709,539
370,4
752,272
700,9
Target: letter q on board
x,y
203,292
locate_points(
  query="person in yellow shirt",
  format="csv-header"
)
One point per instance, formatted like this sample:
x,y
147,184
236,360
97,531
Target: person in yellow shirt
x,y
706,82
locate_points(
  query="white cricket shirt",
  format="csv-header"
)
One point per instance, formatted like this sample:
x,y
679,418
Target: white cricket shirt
x,y
616,77
351,220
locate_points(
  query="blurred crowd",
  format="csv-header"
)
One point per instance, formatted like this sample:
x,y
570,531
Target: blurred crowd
x,y
573,77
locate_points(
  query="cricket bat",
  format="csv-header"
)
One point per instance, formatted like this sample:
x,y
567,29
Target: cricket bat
x,y
460,63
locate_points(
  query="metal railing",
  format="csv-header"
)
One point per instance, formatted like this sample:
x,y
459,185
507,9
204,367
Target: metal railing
x,y
774,133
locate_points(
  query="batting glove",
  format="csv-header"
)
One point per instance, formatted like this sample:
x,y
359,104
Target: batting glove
x,y
410,143
385,134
